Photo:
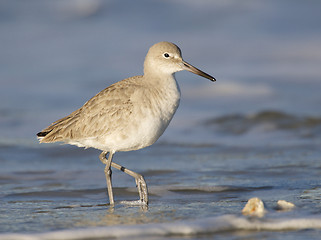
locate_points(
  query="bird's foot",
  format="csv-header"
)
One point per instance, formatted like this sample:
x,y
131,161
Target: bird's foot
x,y
142,189
134,203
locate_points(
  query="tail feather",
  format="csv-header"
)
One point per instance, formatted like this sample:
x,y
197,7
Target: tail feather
x,y
42,134
56,131
49,136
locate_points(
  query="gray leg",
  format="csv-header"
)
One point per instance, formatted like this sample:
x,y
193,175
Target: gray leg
x,y
140,182
108,173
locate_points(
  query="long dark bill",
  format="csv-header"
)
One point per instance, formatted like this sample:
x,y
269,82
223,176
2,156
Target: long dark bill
x,y
191,68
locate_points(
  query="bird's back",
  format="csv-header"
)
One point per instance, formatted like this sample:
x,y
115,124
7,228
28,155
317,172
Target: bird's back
x,y
128,115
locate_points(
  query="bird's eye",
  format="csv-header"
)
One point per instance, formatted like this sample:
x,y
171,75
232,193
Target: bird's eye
x,y
166,55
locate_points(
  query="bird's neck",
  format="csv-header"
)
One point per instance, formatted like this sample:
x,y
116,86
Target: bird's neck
x,y
161,80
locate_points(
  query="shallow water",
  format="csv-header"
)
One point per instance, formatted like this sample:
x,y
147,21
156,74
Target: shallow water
x,y
186,183
256,132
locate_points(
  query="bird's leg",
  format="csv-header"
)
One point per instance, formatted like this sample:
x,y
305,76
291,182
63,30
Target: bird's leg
x,y
140,182
108,173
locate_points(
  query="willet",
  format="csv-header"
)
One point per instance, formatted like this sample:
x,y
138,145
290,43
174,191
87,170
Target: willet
x,y
128,115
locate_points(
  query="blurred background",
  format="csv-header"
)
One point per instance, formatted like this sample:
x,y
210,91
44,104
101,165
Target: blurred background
x,y
255,132
55,55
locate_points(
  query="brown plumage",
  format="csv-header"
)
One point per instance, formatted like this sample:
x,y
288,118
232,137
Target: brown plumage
x,y
128,115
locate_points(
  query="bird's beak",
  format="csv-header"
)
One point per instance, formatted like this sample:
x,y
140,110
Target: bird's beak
x,y
189,67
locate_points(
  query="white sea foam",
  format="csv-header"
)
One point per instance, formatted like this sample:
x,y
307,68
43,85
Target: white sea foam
x,y
210,225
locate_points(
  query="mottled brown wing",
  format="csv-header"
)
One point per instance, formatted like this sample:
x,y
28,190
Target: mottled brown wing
x,y
99,116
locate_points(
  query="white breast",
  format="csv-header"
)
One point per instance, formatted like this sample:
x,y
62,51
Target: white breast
x,y
154,109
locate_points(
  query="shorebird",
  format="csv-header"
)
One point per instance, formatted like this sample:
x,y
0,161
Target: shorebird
x,y
128,115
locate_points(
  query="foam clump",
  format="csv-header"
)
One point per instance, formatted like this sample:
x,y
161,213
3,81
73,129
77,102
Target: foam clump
x,y
254,208
284,205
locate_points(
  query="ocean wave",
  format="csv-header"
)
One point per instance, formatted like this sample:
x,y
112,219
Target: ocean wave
x,y
237,124
211,225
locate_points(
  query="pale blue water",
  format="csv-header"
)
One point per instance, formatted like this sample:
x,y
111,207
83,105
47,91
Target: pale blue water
x,y
256,132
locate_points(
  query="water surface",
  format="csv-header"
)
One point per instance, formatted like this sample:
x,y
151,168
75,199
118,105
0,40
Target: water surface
x,y
256,132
